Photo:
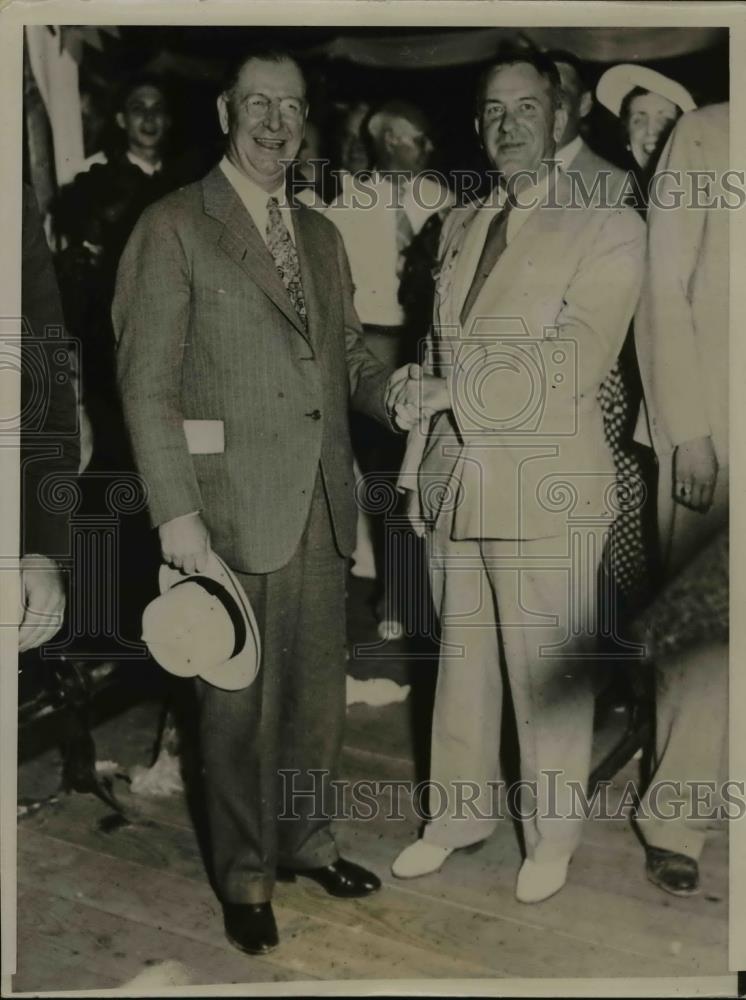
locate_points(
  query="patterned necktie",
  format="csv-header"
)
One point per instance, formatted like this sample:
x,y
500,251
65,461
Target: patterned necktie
x,y
282,248
494,245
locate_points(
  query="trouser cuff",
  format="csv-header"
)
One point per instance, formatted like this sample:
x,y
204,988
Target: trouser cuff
x,y
669,837
249,889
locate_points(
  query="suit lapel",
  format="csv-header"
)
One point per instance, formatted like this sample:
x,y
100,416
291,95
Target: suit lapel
x,y
315,271
241,240
448,282
541,220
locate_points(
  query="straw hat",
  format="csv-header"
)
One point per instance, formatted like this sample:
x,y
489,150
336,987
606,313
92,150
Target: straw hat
x,y
202,625
618,81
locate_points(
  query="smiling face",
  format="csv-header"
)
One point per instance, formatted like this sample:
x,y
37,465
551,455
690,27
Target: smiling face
x,y
649,118
144,118
264,117
517,121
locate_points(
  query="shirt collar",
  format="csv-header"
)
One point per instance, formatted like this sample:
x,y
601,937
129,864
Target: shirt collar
x,y
529,199
144,165
569,151
255,198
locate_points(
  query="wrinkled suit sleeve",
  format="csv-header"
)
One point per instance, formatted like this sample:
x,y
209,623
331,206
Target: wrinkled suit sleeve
x,y
151,316
417,438
664,325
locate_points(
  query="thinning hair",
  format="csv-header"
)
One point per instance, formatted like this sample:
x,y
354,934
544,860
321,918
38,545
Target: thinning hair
x,y
541,62
260,54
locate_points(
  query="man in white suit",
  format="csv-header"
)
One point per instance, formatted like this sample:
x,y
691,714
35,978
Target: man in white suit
x,y
532,305
681,334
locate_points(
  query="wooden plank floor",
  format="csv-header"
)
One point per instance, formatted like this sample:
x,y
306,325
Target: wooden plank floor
x,y
96,908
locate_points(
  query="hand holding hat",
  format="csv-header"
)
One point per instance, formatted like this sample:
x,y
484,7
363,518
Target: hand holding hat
x,y
202,625
185,543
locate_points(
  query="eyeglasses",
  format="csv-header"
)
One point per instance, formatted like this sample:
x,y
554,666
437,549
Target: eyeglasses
x,y
259,105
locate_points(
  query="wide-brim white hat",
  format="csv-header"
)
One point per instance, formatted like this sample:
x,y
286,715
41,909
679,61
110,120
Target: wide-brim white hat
x,y
618,81
202,625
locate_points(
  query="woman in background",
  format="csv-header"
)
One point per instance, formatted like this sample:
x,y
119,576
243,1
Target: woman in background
x,y
647,104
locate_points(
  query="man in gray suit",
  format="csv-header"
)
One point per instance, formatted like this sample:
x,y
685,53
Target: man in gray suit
x,y
240,353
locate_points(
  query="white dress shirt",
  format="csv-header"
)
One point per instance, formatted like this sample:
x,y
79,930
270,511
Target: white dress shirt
x,y
144,165
102,158
366,215
567,154
255,199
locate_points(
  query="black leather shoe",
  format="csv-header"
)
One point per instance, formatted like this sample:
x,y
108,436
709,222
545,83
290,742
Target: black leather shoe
x,y
343,878
675,873
251,927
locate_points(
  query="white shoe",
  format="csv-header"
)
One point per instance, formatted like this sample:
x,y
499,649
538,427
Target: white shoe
x,y
390,629
419,859
538,880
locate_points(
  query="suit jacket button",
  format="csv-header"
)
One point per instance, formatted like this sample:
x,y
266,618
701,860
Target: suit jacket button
x,y
314,414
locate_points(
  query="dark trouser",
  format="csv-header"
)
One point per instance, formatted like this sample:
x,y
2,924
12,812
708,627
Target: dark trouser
x,y
379,454
291,718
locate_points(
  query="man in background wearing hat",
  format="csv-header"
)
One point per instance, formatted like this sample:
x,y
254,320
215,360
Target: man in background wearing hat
x,y
681,334
240,352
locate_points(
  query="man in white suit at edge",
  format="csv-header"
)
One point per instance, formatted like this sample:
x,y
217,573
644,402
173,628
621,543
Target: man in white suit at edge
x,y
681,336
512,482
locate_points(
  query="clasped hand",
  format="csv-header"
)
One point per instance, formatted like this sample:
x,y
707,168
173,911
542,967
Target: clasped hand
x,y
411,394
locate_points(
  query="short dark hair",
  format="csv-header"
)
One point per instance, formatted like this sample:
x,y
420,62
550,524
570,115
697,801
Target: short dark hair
x,y
261,55
627,100
541,62
132,83
570,59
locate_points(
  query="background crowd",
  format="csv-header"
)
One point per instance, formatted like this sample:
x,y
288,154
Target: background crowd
x,y
153,130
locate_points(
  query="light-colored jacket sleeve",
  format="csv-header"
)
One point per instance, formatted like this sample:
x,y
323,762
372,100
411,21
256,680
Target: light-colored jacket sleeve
x,y
664,325
593,320
417,438
601,299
